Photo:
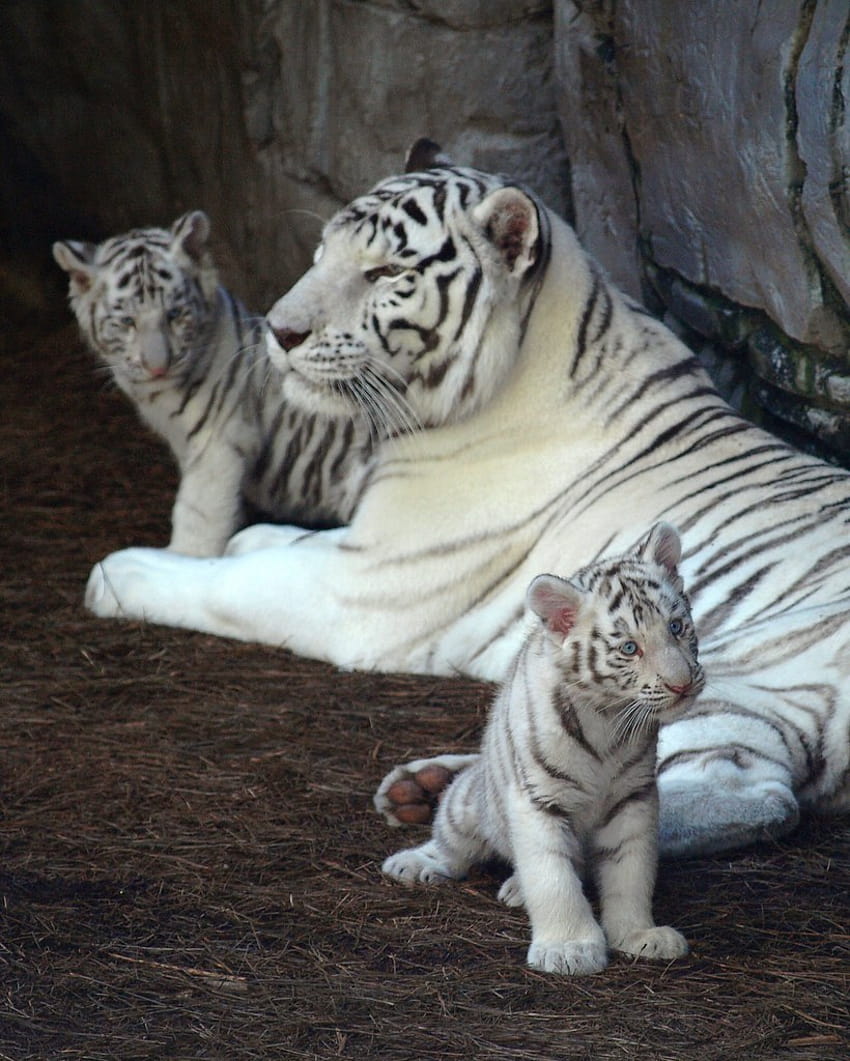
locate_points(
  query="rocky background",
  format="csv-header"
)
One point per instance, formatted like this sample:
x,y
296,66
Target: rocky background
x,y
702,150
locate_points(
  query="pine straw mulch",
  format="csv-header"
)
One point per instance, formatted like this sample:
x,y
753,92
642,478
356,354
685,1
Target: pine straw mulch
x,y
190,860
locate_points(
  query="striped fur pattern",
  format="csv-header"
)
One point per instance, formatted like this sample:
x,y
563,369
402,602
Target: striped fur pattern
x,y
558,416
566,772
414,329
193,363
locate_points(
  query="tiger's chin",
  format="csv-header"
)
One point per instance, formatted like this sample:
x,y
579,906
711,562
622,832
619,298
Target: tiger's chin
x,y
319,398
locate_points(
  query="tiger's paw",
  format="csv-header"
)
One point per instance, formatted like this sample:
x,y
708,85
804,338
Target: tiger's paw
x,y
418,865
409,794
661,943
263,536
572,957
702,819
510,893
122,585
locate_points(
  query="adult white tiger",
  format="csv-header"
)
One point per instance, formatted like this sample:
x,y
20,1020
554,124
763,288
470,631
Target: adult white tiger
x,y
560,417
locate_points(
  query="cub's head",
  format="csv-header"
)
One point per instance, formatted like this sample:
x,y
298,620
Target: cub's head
x,y
412,312
623,632
144,300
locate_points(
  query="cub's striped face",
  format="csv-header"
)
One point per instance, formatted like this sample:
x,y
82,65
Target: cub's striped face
x,y
624,628
410,314
144,300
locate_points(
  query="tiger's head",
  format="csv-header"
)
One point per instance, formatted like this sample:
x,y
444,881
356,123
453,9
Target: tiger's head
x,y
145,301
622,634
412,311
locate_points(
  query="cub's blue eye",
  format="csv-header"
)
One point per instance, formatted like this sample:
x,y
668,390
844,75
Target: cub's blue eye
x,y
390,271
676,627
127,322
173,314
629,648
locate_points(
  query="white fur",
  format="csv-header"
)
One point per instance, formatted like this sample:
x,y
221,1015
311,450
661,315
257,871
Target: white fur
x,y
429,576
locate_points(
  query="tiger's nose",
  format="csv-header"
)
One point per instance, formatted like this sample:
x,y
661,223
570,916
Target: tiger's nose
x,y
289,339
679,690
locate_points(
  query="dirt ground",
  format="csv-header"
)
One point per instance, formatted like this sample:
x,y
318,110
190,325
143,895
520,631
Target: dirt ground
x,y
190,861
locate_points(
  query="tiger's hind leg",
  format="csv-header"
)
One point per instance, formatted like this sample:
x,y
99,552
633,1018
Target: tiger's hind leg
x,y
722,788
455,844
409,794
722,812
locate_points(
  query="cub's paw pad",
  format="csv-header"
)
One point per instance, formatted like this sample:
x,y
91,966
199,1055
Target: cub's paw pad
x,y
413,866
409,794
661,943
510,893
575,957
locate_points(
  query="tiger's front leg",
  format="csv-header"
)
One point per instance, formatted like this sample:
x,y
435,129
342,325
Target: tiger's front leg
x,y
288,596
208,505
625,862
565,937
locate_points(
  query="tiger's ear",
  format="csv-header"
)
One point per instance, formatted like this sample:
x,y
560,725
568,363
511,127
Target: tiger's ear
x,y
509,220
191,232
556,601
424,154
662,546
77,259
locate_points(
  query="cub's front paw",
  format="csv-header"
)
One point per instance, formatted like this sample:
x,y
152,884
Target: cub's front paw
x,y
417,864
510,893
661,943
263,536
572,957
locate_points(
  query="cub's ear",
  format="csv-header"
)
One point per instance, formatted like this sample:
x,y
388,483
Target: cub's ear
x,y
509,220
662,546
191,232
424,154
77,260
556,601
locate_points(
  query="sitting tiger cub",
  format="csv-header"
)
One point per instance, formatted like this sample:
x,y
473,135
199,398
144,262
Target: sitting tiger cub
x,y
193,363
567,763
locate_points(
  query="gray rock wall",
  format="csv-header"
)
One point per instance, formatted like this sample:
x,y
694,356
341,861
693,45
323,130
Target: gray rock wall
x,y
711,171
702,150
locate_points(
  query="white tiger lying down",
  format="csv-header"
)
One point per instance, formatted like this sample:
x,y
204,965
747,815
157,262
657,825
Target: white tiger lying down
x,y
194,364
567,764
557,417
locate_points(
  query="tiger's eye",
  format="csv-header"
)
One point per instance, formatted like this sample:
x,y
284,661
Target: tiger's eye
x,y
629,648
127,322
676,627
379,271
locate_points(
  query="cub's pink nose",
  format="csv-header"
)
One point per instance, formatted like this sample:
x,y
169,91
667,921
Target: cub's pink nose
x,y
289,339
680,690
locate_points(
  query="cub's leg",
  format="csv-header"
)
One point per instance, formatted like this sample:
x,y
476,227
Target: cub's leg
x,y
456,843
565,937
409,793
208,505
625,860
261,536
